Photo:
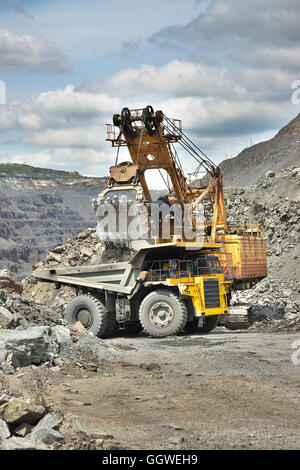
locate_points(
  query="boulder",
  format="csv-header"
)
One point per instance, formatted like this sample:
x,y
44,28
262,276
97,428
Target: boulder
x,y
22,348
4,431
8,282
49,421
76,423
18,411
6,318
77,328
46,431
47,436
61,334
20,443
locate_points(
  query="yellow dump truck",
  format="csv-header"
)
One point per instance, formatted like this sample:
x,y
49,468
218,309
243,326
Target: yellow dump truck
x,y
163,289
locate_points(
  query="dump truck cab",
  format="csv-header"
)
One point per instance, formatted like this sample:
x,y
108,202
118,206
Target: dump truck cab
x,y
199,278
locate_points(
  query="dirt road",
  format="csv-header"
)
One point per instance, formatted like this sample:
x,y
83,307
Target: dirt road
x,y
225,390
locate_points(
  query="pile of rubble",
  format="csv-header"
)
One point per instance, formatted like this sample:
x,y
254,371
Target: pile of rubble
x,y
53,346
78,250
274,304
273,203
26,424
18,313
84,248
32,326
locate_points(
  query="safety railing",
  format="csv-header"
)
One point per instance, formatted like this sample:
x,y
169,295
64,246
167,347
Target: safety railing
x,y
254,229
172,269
113,136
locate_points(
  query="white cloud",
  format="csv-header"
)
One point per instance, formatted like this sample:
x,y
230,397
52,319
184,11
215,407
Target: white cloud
x,y
79,137
14,118
87,161
30,121
43,158
32,53
179,78
59,109
278,58
237,25
75,103
241,89
215,116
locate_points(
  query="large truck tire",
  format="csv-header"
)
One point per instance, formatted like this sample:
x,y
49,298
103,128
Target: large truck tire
x,y
162,314
210,322
90,311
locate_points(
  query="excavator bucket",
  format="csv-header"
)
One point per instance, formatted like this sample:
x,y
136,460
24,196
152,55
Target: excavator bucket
x,y
117,206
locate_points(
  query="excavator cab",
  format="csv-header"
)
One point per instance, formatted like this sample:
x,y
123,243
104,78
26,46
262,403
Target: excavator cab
x,y
207,265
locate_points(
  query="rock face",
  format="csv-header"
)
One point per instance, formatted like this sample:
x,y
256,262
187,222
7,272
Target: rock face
x,y
283,151
39,210
274,203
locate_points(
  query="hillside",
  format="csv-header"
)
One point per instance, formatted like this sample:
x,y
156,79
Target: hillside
x,y
40,209
28,171
282,151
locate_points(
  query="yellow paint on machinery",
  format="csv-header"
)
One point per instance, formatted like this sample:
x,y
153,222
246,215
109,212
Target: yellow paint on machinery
x,y
194,287
149,137
243,256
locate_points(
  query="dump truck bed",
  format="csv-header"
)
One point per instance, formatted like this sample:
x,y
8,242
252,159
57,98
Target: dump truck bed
x,y
117,277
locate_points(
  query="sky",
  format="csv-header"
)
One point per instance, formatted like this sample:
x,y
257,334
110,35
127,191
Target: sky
x,y
226,68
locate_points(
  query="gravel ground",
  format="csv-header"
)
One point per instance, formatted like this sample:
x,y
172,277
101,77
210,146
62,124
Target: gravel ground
x,y
224,390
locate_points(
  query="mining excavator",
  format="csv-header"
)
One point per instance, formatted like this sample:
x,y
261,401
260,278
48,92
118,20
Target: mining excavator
x,y
188,258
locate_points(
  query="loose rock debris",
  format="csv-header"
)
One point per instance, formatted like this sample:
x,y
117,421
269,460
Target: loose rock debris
x,y
27,425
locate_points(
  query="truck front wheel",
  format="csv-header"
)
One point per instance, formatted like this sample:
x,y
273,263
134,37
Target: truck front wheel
x,y
90,312
162,314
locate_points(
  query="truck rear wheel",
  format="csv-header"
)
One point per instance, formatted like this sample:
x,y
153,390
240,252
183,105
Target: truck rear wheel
x,y
90,312
162,314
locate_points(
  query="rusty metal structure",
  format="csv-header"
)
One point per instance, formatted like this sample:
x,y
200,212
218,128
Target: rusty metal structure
x,y
150,138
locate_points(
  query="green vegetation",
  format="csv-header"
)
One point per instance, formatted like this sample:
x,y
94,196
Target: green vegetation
x,y
19,169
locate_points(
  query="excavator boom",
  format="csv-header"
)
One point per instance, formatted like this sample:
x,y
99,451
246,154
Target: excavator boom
x,y
150,138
